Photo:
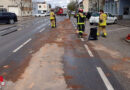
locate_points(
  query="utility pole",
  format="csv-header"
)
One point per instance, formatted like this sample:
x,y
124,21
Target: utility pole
x,y
98,6
77,4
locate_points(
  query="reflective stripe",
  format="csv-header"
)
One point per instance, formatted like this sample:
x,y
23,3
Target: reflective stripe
x,y
80,23
78,19
80,31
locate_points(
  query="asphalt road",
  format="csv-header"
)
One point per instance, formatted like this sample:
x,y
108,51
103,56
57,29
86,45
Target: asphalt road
x,y
113,52
14,37
84,68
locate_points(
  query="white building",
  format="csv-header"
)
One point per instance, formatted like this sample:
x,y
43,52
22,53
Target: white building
x,y
19,7
40,8
43,7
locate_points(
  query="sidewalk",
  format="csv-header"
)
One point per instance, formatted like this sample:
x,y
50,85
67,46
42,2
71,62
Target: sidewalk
x,y
124,23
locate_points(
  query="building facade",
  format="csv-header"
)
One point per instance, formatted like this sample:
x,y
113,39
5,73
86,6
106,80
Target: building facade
x,y
19,7
91,5
40,7
86,5
96,5
120,8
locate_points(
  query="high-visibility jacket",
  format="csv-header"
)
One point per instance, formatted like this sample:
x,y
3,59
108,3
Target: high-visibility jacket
x,y
52,15
80,19
103,19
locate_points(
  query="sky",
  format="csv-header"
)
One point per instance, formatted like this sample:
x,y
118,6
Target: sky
x,y
62,3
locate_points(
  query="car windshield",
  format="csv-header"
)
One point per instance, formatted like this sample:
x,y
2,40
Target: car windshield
x,y
95,14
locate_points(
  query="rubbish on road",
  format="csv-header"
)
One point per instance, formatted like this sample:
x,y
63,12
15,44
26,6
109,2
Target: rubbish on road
x,y
128,38
93,34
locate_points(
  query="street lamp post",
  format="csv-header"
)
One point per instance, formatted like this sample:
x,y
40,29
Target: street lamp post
x,y
77,4
98,5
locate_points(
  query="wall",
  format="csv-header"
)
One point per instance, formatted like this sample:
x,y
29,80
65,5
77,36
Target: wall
x,y
16,3
123,3
86,5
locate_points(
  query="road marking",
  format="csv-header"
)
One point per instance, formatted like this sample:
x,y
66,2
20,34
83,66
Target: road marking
x,y
89,51
22,45
118,29
42,30
82,39
104,78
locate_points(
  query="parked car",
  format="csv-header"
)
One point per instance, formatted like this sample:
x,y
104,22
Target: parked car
x,y
94,19
47,13
40,15
8,17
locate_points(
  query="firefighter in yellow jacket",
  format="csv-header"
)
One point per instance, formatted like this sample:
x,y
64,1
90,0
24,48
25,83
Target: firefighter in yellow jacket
x,y
102,24
52,18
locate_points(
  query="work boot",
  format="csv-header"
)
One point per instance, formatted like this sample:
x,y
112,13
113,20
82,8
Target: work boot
x,y
104,35
80,35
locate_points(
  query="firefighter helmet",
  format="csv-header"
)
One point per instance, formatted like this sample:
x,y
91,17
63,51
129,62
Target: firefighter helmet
x,y
80,10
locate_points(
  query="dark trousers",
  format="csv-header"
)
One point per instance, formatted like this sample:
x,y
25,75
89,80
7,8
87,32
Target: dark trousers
x,y
81,29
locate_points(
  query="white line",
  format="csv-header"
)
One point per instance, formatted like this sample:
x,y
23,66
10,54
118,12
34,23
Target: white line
x,y
118,29
89,51
104,78
21,45
42,30
82,39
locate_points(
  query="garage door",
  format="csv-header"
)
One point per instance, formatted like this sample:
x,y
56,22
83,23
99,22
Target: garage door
x,y
14,10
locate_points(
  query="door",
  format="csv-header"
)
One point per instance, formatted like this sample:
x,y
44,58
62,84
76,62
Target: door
x,y
110,18
14,10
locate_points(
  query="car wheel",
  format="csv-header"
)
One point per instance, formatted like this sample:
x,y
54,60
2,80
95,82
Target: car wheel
x,y
11,21
115,22
91,23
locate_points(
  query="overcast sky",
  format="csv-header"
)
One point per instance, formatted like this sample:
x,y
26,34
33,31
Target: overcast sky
x,y
62,3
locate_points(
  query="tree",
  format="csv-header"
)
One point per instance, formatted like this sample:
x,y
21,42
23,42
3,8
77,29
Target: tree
x,y
72,6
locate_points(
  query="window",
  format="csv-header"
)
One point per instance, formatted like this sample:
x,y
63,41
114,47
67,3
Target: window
x,y
40,6
95,14
126,11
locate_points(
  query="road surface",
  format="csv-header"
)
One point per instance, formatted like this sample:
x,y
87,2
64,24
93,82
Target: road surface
x,y
36,57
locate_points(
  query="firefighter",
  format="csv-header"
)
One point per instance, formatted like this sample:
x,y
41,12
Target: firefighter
x,y
102,24
81,23
52,19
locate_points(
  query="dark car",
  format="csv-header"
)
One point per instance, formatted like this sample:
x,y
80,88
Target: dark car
x,y
8,17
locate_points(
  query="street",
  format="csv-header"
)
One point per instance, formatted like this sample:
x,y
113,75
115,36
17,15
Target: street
x,y
34,56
